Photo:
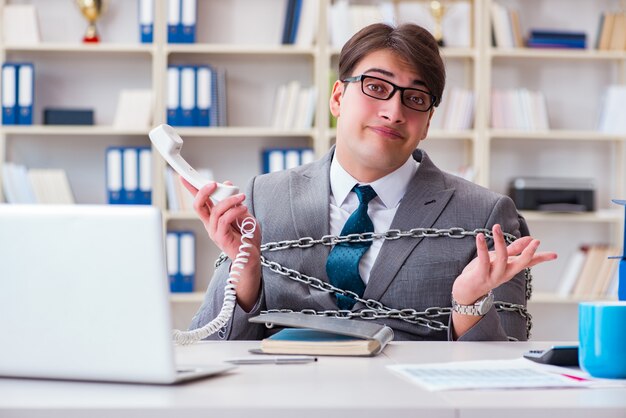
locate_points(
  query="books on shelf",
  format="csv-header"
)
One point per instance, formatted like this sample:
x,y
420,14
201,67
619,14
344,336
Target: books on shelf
x,y
18,85
294,107
28,186
611,35
300,23
181,260
519,109
316,335
179,199
458,112
589,272
557,39
612,120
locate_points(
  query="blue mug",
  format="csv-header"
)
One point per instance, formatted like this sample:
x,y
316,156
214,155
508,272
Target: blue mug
x,y
602,335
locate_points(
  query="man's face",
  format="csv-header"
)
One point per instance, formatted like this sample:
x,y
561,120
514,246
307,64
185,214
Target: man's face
x,y
375,137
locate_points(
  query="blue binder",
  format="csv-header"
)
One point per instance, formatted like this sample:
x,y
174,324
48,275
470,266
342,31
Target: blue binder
x,y
25,95
173,21
114,176
187,268
144,194
172,252
187,96
146,21
205,79
9,94
173,96
181,259
621,287
188,19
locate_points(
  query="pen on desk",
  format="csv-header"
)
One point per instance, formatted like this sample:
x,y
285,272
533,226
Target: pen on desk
x,y
273,360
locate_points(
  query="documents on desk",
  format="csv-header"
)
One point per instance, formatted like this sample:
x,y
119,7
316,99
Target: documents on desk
x,y
497,374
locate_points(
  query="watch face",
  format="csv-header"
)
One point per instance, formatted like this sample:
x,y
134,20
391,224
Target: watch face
x,y
485,304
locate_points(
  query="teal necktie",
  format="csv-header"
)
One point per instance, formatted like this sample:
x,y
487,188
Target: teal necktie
x,y
342,266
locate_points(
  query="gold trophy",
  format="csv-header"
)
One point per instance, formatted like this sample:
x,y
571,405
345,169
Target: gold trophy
x,y
438,10
92,10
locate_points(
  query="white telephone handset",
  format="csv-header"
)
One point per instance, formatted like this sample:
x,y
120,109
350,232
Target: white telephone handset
x,y
169,144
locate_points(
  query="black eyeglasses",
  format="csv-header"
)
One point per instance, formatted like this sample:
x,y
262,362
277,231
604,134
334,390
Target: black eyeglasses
x,y
381,89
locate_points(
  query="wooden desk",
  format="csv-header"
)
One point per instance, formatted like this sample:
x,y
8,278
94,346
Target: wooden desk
x,y
331,387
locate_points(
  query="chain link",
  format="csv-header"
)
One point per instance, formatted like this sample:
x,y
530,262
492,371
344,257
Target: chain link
x,y
373,308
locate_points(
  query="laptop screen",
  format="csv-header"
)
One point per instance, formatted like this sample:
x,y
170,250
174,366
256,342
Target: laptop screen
x,y
84,293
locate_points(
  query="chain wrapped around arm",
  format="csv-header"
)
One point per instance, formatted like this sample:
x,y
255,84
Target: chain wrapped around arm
x,y
373,308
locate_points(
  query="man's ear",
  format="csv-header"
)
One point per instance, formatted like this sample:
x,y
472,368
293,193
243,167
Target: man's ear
x,y
430,117
335,98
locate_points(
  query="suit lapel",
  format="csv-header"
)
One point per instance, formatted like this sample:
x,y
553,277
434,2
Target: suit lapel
x,y
420,207
309,193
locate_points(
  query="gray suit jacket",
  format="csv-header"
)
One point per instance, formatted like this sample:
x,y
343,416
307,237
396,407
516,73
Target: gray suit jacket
x,y
408,273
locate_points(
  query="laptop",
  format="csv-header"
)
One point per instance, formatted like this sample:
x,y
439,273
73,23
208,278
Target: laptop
x,y
84,295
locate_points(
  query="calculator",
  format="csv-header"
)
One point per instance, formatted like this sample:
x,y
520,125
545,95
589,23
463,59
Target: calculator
x,y
557,355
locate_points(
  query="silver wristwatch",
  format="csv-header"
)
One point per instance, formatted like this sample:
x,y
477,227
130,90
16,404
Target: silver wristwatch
x,y
478,308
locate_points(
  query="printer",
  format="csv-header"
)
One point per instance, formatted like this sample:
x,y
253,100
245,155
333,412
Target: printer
x,y
553,194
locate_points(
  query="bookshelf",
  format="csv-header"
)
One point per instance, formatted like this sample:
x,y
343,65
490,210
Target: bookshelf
x,y
70,74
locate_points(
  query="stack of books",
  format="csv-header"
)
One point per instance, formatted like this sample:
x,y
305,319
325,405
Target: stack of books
x,y
294,107
28,186
557,39
519,109
300,24
590,273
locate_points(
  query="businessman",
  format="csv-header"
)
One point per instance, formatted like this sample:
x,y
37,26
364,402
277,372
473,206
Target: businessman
x,y
376,179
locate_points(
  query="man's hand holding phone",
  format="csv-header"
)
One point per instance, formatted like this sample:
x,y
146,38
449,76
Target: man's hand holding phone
x,y
221,220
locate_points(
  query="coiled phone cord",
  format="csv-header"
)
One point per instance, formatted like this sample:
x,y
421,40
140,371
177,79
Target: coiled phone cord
x,y
247,228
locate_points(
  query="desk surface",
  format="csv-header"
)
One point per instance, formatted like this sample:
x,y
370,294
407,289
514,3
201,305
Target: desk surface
x,y
331,387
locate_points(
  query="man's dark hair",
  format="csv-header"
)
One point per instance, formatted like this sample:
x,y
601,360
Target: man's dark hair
x,y
411,42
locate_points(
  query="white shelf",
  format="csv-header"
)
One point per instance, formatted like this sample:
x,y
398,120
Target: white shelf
x,y
555,53
552,298
601,216
234,49
192,297
243,132
180,216
69,130
555,134
59,47
469,53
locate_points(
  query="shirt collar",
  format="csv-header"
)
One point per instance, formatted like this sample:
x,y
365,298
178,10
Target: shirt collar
x,y
390,188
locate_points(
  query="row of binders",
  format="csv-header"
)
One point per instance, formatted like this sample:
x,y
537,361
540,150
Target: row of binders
x,y
278,159
590,273
181,21
129,175
18,85
458,110
181,260
519,109
36,185
196,96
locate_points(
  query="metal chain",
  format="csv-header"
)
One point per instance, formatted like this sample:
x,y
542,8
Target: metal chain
x,y
374,309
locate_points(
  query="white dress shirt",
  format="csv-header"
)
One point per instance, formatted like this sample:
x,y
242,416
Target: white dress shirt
x,y
343,201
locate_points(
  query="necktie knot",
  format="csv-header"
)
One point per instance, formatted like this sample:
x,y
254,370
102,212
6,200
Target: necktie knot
x,y
364,193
